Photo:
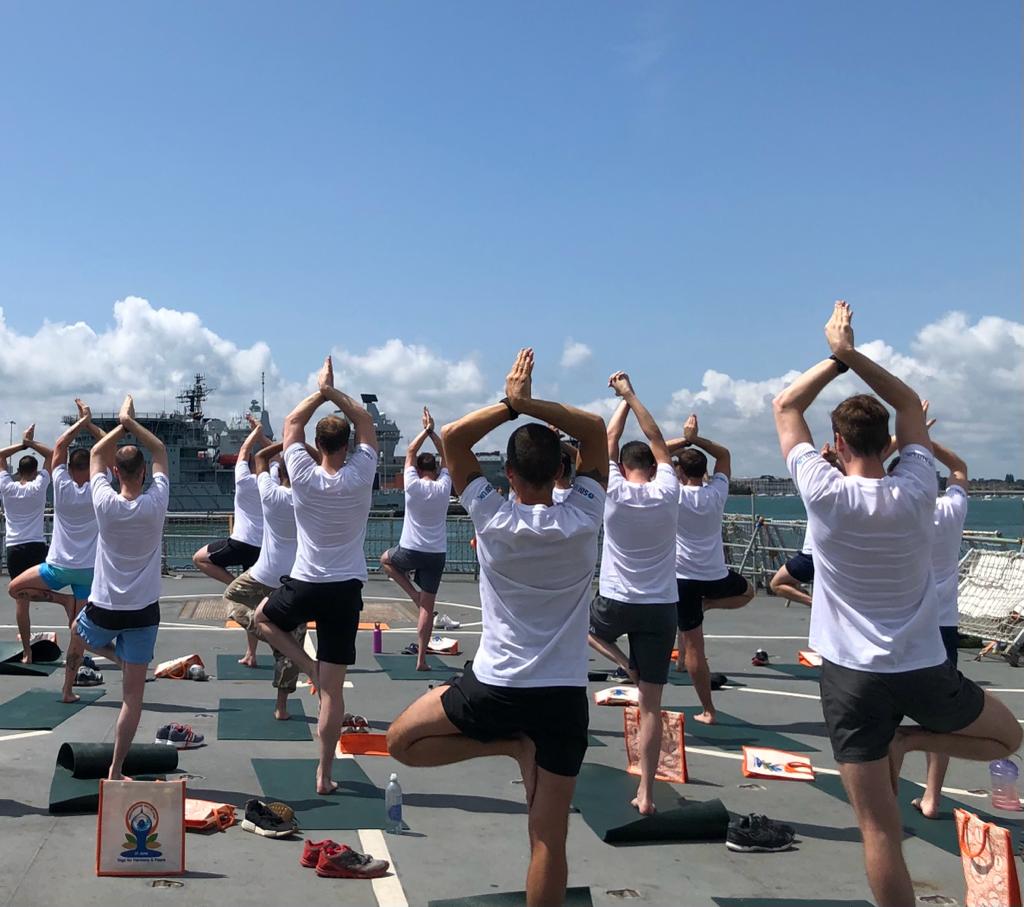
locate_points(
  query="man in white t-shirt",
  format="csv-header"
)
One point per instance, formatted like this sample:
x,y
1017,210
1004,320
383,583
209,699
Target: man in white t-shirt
x,y
122,617
72,552
24,500
332,504
637,592
703,580
525,693
243,546
277,555
423,546
873,615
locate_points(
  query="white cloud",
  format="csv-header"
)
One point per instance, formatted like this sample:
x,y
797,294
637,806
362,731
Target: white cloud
x,y
574,353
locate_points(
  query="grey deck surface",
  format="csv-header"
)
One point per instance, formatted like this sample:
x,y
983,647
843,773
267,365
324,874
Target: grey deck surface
x,y
467,822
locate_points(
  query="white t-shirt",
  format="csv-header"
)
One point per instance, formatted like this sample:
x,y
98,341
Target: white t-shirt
x,y
277,549
808,545
700,553
23,507
127,575
536,567
950,514
330,514
874,600
560,495
74,523
248,526
638,554
425,527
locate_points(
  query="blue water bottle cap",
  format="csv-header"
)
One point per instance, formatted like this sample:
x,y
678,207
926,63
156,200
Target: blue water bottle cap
x,y
1004,767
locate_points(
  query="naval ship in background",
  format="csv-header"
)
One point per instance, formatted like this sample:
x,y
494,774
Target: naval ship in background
x,y
202,451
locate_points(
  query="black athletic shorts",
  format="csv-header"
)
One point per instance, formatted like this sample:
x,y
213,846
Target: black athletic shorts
x,y
556,719
651,630
692,593
25,556
232,553
427,567
334,606
801,567
863,709
951,640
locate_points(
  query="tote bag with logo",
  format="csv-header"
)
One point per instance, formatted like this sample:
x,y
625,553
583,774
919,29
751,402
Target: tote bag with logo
x,y
672,759
141,828
986,851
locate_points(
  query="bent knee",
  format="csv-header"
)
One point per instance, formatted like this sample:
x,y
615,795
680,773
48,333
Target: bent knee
x,y
398,743
1014,735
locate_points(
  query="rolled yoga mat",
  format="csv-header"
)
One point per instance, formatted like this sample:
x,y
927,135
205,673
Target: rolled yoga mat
x,y
228,668
45,655
603,796
253,719
403,667
574,897
76,779
42,710
357,803
732,733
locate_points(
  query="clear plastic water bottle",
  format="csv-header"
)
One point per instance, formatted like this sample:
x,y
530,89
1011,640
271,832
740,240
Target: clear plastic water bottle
x,y
393,804
1004,784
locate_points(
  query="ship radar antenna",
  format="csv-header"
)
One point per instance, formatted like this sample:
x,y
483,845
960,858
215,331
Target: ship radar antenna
x,y
194,396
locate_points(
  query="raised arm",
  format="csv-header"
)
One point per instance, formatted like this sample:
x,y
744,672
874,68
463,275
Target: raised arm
x,y
910,418
624,388
31,443
956,465
294,430
101,454
90,426
255,435
791,404
7,452
616,426
157,451
417,442
459,437
362,421
61,445
266,454
719,453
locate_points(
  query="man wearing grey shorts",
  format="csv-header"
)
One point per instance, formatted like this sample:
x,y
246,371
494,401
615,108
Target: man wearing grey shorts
x,y
637,592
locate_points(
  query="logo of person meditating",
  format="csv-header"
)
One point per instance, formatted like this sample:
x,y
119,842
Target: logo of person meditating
x,y
141,819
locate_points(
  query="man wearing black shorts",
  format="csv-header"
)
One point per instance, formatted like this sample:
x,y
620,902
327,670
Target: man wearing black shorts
x,y
637,591
243,547
873,618
527,700
702,578
422,548
332,503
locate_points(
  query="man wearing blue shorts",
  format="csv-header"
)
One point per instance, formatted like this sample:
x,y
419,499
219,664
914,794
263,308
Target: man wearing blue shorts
x,y
69,562
122,616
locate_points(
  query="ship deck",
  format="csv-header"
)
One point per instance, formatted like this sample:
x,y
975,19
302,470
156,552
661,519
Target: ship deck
x,y
467,823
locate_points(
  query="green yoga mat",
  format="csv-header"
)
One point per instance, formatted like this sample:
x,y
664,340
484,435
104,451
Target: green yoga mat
x,y
732,733
76,779
10,661
357,803
403,667
42,710
253,719
939,832
574,897
603,797
228,668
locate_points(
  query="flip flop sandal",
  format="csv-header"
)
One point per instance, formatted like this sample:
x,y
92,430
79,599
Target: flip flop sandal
x,y
88,677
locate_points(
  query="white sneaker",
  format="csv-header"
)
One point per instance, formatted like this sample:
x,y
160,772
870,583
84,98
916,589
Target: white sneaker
x,y
444,622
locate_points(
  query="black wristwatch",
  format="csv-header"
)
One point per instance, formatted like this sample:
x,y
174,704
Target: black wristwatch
x,y
512,414
840,365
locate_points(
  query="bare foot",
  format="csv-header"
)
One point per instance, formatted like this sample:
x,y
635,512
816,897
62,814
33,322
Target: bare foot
x,y
526,756
645,806
70,697
282,714
26,657
705,717
117,776
248,660
328,787
929,810
422,666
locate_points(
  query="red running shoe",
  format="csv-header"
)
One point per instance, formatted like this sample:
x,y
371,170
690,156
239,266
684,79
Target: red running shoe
x,y
311,851
342,862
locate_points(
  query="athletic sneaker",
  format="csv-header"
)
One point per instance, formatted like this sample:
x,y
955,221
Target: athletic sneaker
x,y
197,672
756,834
180,736
620,676
444,622
261,820
311,851
88,677
774,823
760,658
283,811
342,862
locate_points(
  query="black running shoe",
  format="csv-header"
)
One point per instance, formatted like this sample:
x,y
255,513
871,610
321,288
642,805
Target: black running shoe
x,y
752,834
261,820
774,823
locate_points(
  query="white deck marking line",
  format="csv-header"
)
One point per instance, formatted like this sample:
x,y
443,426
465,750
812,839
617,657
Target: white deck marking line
x,y
388,890
395,598
716,636
718,754
772,692
24,734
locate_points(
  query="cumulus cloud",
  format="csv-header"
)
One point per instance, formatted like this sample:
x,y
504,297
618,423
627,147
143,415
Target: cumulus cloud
x,y
574,353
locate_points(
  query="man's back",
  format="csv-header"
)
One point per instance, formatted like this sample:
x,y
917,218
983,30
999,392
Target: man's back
x,y
637,563
74,523
426,512
874,596
330,514
949,516
536,567
280,538
248,525
699,551
23,507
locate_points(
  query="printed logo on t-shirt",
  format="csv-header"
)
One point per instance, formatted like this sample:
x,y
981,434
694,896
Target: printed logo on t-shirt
x,y
579,489
916,454
808,455
483,494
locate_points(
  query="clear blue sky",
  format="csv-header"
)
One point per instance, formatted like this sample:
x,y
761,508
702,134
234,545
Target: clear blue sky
x,y
677,184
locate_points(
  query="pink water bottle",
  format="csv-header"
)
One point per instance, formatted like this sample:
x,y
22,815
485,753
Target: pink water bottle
x,y
378,640
1004,784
